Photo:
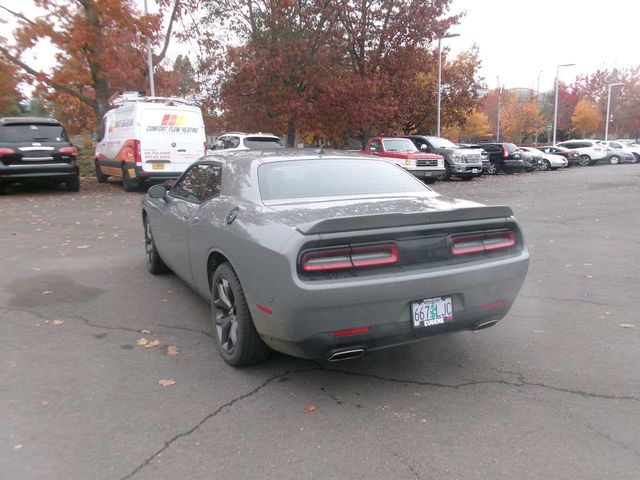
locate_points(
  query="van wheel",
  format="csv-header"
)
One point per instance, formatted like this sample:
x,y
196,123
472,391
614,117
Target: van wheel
x,y
237,338
129,184
100,177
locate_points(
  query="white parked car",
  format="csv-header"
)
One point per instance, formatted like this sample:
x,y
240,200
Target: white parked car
x,y
247,141
550,161
590,151
626,149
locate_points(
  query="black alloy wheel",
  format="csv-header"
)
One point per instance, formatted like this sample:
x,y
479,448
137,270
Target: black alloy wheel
x,y
237,338
155,265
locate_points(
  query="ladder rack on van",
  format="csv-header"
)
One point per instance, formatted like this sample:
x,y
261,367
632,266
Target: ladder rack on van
x,y
122,98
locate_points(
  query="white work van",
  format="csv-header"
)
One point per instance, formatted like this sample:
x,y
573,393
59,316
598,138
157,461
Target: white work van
x,y
148,138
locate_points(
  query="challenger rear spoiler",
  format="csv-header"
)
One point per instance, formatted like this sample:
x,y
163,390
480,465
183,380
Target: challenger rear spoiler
x,y
391,220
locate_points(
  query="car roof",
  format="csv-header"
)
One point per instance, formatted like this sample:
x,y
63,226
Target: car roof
x,y
259,134
28,120
282,155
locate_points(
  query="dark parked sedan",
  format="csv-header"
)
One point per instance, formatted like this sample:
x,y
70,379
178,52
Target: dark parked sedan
x,y
327,255
36,149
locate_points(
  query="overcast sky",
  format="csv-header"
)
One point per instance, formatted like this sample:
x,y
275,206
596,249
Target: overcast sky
x,y
519,38
516,38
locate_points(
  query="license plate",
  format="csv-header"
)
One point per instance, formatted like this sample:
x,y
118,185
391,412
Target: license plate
x,y
427,174
432,311
157,166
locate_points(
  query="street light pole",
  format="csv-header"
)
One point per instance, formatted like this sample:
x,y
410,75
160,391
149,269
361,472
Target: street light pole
x,y
450,35
535,142
606,120
152,87
499,95
555,104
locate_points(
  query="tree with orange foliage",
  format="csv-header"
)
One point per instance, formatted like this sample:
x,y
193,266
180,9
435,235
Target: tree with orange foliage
x,y
520,120
586,119
100,49
10,96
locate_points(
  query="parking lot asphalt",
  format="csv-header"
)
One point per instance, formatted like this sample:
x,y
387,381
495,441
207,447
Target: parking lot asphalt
x,y
553,391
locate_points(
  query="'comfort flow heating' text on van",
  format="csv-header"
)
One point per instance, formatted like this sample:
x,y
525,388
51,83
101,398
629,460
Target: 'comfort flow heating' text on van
x,y
148,138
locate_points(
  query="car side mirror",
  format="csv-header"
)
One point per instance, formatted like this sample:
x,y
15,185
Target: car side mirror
x,y
158,191
373,149
424,147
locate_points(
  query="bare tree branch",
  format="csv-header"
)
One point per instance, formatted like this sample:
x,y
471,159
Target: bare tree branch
x,y
19,15
41,76
167,37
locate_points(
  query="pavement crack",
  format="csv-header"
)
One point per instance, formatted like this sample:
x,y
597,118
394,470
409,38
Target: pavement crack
x,y
520,382
84,320
194,330
211,415
407,464
610,439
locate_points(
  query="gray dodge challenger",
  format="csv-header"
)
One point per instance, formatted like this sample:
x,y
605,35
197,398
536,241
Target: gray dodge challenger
x,y
327,255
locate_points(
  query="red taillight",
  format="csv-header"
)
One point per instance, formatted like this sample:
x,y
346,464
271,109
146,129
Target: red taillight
x,y
352,331
492,305
6,151
345,258
482,242
338,259
137,155
73,151
264,309
205,148
505,152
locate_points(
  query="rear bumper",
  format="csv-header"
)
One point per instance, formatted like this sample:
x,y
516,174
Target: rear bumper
x,y
304,323
16,173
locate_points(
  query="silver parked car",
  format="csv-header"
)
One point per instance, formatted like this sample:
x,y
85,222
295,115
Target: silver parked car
x,y
326,255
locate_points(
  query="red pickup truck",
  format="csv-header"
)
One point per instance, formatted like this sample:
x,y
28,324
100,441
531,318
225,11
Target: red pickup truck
x,y
426,166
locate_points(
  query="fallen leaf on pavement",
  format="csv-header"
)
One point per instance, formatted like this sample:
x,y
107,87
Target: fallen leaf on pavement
x,y
145,331
588,276
58,322
36,269
627,325
166,382
18,447
172,350
310,409
47,292
83,246
142,342
152,344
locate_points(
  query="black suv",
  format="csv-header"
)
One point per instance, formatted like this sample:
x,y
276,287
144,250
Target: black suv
x,y
458,162
503,157
36,149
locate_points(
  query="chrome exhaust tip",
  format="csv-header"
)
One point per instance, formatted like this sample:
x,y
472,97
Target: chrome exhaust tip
x,y
483,325
346,355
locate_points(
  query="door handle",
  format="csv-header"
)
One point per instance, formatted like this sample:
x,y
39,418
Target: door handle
x,y
182,150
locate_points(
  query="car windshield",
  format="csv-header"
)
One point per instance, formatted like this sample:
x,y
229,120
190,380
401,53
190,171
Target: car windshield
x,y
32,133
438,142
258,143
399,145
334,178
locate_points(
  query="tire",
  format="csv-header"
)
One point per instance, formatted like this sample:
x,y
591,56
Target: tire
x,y
545,165
73,184
155,265
430,181
636,158
100,177
237,338
129,184
447,171
553,168
584,161
614,160
493,168
467,178
3,189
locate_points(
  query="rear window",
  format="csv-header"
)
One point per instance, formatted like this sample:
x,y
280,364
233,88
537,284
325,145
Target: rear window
x,y
334,178
510,147
32,133
258,143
